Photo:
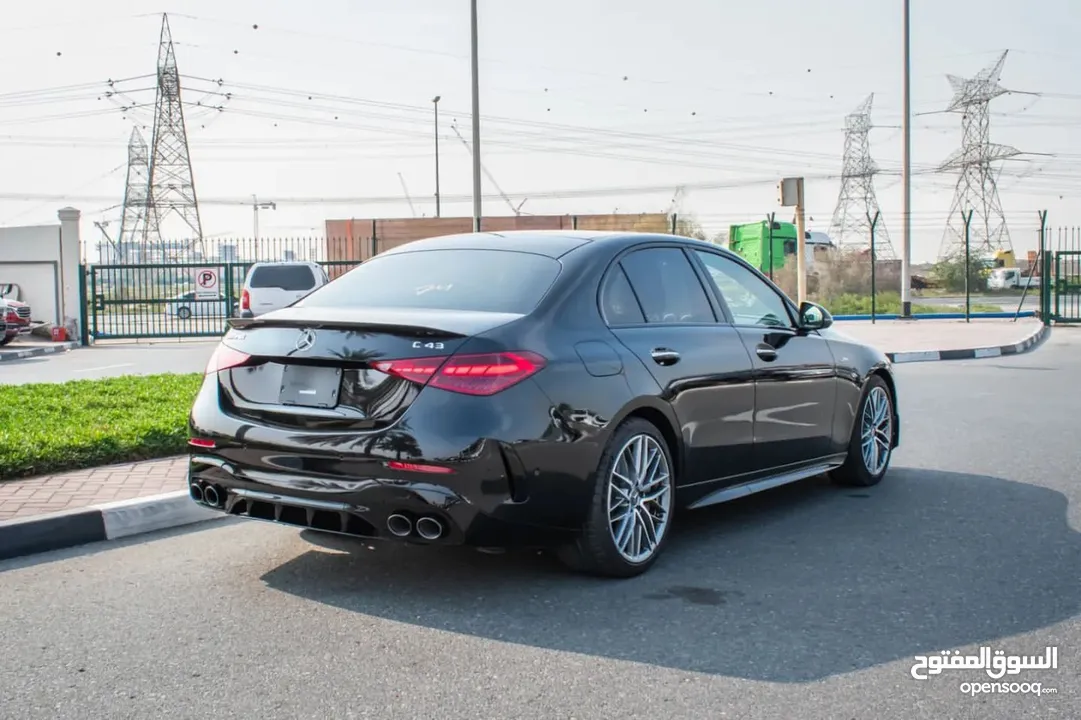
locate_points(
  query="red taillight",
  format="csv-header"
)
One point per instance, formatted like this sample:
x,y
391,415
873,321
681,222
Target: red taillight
x,y
224,358
201,443
245,299
484,374
418,467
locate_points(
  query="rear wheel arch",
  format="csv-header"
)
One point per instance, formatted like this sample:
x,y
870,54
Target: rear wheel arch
x,y
891,387
660,419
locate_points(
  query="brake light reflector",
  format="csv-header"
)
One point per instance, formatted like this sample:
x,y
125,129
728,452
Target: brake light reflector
x,y
201,443
245,299
484,374
224,358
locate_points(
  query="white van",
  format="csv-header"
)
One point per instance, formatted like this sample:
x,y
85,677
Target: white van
x,y
271,286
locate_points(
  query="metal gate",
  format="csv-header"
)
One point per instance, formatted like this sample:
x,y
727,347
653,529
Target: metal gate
x,y
167,300
1066,284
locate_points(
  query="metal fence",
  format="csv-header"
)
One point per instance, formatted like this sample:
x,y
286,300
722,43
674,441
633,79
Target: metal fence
x,y
176,299
1061,275
138,291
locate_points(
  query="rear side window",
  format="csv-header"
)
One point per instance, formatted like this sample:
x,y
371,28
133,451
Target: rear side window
x,y
618,302
667,286
285,277
478,280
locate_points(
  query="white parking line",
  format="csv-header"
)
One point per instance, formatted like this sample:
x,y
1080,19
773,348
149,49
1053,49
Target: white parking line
x,y
105,367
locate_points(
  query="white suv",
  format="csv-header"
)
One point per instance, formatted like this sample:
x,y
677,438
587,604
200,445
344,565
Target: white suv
x,y
271,286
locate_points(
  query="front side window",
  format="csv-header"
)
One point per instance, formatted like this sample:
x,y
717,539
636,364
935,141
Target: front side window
x,y
750,300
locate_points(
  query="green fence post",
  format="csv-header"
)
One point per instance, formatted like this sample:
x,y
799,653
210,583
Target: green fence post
x,y
1041,260
84,331
94,300
967,217
874,287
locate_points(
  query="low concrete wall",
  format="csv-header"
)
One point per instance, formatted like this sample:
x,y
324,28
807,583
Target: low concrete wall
x,y
41,264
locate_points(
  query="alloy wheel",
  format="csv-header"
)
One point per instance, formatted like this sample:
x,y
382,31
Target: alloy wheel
x,y
876,437
639,498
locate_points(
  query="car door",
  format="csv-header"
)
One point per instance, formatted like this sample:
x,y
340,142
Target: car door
x,y
795,372
658,307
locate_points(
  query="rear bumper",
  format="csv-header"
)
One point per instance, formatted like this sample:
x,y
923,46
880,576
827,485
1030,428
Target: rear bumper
x,y
505,481
365,511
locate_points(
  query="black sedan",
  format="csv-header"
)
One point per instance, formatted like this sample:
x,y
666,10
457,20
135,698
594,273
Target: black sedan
x,y
563,389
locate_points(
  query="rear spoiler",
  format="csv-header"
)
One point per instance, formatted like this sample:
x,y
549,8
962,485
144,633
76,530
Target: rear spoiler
x,y
388,327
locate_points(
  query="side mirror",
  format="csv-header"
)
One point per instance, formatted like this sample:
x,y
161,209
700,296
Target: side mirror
x,y
814,317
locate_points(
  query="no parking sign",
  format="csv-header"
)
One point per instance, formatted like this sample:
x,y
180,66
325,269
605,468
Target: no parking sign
x,y
206,282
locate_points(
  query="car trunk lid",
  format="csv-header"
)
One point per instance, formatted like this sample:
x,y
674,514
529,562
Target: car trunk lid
x,y
337,368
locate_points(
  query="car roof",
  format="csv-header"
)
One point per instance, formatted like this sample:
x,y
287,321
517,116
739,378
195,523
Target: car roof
x,y
551,243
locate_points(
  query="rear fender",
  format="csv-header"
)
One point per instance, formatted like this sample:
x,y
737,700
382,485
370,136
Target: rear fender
x,y
660,414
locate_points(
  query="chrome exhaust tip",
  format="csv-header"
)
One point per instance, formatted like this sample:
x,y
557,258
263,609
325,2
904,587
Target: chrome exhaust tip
x,y
210,495
196,492
399,525
429,528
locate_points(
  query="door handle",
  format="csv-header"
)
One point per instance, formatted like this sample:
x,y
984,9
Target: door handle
x,y
664,356
766,352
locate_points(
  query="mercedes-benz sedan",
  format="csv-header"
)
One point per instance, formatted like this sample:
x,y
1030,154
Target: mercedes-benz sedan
x,y
565,389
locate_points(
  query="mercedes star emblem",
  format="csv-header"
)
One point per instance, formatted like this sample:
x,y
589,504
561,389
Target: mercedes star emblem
x,y
306,340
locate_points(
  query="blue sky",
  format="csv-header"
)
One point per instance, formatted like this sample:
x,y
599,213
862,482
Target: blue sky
x,y
599,95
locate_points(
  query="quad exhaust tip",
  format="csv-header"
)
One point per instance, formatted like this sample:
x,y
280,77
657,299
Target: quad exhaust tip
x,y
210,495
196,493
429,528
399,525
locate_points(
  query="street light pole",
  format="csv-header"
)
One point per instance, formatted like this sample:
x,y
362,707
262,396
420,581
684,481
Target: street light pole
x,y
476,117
906,178
435,103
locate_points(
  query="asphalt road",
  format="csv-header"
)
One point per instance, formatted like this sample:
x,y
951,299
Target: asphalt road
x,y
110,360
806,602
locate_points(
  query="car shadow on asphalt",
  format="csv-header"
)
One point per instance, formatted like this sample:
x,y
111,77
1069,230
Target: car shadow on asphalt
x,y
794,585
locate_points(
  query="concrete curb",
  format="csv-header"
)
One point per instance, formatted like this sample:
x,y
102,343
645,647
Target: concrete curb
x,y
35,351
971,353
56,531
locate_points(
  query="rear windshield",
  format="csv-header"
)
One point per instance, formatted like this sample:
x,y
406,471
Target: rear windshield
x,y
478,280
285,277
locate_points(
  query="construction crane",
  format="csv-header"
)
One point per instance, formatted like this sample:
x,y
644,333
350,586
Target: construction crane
x,y
405,190
517,210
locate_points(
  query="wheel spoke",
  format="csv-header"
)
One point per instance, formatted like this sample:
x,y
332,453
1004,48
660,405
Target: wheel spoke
x,y
655,495
626,530
649,528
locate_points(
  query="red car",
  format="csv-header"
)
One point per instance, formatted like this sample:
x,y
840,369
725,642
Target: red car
x,y
16,319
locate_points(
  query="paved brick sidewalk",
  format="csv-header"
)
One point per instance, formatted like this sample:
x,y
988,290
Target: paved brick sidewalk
x,y
85,488
897,336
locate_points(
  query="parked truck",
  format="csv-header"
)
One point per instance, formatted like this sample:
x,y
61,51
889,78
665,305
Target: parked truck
x,y
752,242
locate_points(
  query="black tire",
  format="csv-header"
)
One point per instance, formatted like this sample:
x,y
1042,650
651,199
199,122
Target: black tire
x,y
184,313
854,472
4,340
595,552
